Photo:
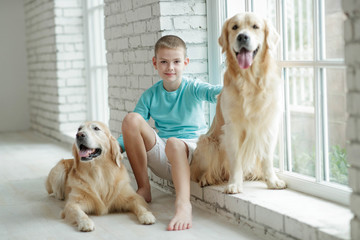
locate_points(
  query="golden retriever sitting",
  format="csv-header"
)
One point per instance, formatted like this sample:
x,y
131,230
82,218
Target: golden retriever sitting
x,y
241,141
95,182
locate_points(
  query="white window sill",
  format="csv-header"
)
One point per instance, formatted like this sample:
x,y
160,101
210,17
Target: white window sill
x,y
277,214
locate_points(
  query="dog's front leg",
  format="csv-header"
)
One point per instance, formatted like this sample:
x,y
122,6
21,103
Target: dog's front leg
x,y
232,149
75,215
136,204
272,181
235,184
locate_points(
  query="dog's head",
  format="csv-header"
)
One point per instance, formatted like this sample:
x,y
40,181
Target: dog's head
x,y
245,36
94,141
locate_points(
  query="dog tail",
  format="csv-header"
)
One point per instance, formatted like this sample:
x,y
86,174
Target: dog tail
x,y
56,181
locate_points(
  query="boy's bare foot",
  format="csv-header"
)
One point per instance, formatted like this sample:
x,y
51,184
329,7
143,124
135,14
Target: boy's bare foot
x,y
183,217
145,193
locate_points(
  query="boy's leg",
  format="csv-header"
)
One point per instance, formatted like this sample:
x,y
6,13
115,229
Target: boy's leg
x,y
139,138
177,154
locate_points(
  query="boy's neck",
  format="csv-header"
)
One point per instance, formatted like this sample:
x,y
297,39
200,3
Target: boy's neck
x,y
171,87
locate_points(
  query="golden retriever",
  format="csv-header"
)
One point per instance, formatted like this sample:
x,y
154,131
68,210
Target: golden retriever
x,y
241,140
95,182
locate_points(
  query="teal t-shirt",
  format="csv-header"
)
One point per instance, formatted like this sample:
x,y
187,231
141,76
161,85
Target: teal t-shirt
x,y
179,113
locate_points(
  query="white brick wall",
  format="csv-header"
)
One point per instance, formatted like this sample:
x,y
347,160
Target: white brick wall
x,y
131,31
58,94
55,49
352,50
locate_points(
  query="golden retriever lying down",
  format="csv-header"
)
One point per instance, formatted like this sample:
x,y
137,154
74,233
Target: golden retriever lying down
x,y
241,141
95,182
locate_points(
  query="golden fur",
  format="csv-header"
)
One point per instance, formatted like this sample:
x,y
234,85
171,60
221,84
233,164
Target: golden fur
x,y
95,182
241,141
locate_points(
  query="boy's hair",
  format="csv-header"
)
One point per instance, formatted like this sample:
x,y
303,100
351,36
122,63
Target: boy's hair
x,y
170,41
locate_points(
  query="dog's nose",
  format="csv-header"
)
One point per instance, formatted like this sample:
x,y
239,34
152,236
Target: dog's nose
x,y
243,38
80,135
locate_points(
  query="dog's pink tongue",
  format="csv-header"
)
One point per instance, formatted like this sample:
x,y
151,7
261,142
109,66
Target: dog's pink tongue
x,y
244,58
86,153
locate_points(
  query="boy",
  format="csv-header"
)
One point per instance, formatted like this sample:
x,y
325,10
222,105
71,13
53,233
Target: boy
x,y
175,104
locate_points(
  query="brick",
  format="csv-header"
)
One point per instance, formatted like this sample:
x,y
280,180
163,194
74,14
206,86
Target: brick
x,y
166,23
139,68
175,8
269,218
196,52
355,203
148,39
354,179
353,151
153,25
355,228
143,13
214,195
139,27
196,190
192,22
236,205
353,98
356,23
351,53
126,5
351,129
299,230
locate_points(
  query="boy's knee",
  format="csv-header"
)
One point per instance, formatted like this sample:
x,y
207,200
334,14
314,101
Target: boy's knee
x,y
131,121
174,146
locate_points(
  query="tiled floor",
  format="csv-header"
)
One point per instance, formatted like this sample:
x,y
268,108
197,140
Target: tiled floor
x,y
27,212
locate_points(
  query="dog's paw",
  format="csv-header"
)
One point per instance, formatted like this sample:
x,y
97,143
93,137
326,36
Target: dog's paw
x,y
147,218
233,188
203,182
59,195
86,225
276,183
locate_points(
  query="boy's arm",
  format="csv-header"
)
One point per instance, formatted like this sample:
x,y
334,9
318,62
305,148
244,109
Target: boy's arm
x,y
206,91
142,108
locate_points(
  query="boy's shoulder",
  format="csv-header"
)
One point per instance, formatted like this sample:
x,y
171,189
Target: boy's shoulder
x,y
155,87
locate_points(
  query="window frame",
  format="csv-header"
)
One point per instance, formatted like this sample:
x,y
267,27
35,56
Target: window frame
x,y
314,186
97,86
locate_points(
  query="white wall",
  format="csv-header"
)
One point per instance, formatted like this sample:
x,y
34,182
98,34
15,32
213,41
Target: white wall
x,y
14,107
352,60
56,64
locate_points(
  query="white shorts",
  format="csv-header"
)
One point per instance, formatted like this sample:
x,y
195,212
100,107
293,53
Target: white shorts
x,y
157,160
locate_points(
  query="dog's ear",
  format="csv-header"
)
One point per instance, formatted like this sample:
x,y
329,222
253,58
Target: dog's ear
x,y
75,152
223,39
115,151
272,37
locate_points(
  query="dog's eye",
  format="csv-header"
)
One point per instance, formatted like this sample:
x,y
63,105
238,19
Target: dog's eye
x,y
255,26
235,27
96,128
79,129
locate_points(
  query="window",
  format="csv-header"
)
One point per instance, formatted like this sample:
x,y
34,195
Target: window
x,y
311,154
96,61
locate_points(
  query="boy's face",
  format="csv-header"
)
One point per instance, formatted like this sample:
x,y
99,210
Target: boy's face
x,y
170,64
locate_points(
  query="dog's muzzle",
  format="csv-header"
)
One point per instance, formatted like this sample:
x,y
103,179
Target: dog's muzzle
x,y
86,153
244,56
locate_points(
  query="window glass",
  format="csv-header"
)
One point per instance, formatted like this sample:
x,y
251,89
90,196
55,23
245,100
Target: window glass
x,y
234,7
300,83
299,22
333,41
336,114
97,80
266,9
